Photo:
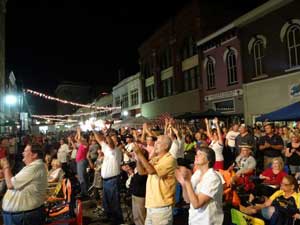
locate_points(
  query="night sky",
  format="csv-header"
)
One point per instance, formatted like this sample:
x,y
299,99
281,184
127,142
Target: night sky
x,y
49,41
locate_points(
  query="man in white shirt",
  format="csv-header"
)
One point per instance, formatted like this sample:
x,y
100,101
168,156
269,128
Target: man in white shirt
x,y
110,172
203,190
230,142
23,201
63,154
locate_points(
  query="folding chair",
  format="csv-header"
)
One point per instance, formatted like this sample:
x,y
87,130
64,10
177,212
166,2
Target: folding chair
x,y
239,218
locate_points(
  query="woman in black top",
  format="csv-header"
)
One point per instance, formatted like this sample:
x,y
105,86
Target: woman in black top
x,y
292,152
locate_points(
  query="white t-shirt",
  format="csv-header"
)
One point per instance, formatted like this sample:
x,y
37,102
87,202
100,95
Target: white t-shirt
x,y
129,148
210,185
231,135
111,161
63,153
218,149
175,150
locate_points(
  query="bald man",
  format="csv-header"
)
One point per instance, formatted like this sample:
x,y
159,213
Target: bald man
x,y
161,182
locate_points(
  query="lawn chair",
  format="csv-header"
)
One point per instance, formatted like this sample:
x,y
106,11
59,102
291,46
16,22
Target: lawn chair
x,y
239,218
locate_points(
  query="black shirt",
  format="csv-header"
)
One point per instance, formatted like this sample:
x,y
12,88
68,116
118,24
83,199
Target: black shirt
x,y
294,159
273,140
138,185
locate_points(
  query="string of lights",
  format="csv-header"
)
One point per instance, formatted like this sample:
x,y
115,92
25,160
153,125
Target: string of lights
x,y
73,115
54,119
42,95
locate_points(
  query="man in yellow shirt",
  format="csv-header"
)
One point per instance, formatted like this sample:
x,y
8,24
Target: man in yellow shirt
x,y
161,182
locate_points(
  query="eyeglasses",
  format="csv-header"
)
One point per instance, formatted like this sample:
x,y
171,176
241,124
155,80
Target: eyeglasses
x,y
284,184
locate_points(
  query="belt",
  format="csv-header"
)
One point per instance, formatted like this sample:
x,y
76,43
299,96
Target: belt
x,y
21,212
105,179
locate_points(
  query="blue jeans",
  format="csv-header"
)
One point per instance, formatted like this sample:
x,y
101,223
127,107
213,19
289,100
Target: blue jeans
x,y
81,172
111,199
36,217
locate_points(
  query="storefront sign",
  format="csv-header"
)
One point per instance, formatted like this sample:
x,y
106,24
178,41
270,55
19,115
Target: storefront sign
x,y
294,90
221,95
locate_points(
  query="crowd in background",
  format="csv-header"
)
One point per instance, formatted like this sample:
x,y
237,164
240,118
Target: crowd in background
x,y
207,169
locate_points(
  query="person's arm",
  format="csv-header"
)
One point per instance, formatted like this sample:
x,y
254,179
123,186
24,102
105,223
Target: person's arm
x,y
78,135
176,132
143,161
7,172
208,133
288,153
181,180
141,170
98,137
143,138
220,138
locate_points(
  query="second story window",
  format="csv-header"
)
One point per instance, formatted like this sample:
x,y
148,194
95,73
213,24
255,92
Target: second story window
x,y
258,55
210,73
146,70
134,97
231,64
125,100
293,44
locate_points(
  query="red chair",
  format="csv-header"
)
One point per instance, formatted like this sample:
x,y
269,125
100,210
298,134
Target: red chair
x,y
72,221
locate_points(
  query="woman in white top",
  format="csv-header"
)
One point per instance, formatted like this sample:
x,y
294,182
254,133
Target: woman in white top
x,y
216,143
203,190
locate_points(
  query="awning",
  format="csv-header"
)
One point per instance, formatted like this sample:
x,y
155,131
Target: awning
x,y
210,113
288,113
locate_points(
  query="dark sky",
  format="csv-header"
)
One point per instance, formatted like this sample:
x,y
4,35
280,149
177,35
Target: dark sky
x,y
48,41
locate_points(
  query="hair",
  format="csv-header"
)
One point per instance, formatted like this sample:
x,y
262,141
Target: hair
x,y
292,180
210,155
37,149
166,141
279,159
56,162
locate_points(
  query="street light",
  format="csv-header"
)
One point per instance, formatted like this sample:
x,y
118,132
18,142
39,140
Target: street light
x,y
11,99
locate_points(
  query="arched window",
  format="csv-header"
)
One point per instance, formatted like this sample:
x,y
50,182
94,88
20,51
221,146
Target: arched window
x,y
293,44
210,73
231,67
258,55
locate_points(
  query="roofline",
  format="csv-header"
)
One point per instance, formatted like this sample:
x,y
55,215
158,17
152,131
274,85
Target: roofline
x,y
247,18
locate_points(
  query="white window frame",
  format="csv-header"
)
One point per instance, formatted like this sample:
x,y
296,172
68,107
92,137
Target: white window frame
x,y
294,46
232,76
134,97
210,73
258,55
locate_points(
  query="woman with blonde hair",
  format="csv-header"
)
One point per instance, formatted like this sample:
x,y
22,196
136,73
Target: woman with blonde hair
x,y
292,153
56,172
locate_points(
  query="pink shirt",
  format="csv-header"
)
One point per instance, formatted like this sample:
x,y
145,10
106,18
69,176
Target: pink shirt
x,y
81,153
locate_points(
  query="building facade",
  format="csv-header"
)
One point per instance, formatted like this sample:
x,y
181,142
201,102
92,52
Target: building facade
x,y
170,66
271,57
222,72
127,94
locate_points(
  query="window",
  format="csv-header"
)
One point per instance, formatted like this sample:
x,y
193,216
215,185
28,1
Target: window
x,y
231,67
134,95
167,86
189,48
118,101
258,55
293,44
166,59
125,100
191,78
225,106
150,93
210,73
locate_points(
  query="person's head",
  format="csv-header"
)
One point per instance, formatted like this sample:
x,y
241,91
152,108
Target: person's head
x,y
61,141
224,130
295,138
243,128
162,144
188,138
198,136
32,153
277,163
205,156
235,127
55,164
269,128
214,134
246,150
150,140
129,138
289,184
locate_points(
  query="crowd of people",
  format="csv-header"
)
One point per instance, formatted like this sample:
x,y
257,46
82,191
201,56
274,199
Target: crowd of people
x,y
208,169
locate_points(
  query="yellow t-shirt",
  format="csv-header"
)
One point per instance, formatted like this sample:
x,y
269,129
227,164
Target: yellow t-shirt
x,y
295,195
160,189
